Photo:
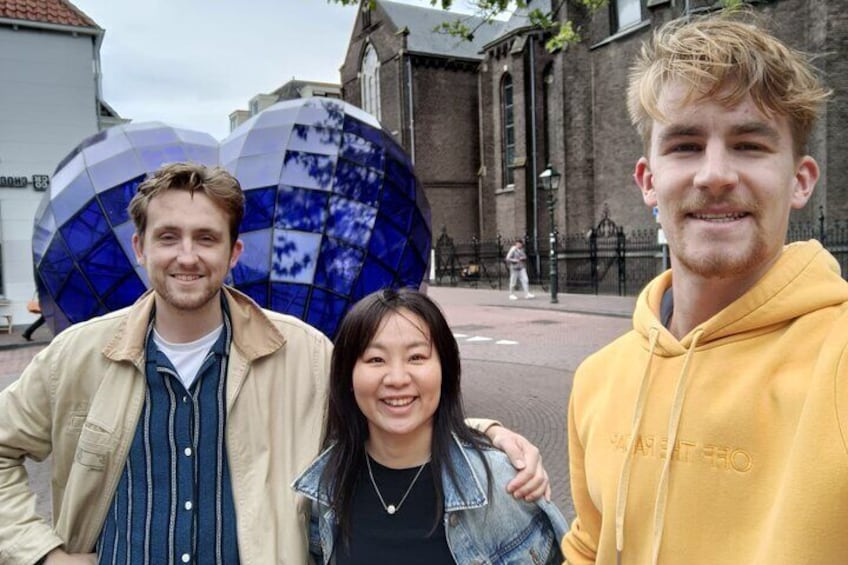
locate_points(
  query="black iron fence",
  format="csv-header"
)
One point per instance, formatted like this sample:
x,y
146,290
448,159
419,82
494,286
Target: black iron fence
x,y
604,260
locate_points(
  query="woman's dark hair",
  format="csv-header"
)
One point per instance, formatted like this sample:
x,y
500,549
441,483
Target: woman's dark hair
x,y
347,427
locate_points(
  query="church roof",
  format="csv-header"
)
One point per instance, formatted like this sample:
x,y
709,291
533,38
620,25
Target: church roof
x,y
422,39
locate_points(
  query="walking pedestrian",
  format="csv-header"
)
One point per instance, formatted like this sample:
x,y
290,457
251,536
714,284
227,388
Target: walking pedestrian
x,y
35,308
516,258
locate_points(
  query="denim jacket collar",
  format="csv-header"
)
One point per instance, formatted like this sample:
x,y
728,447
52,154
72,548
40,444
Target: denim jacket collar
x,y
466,493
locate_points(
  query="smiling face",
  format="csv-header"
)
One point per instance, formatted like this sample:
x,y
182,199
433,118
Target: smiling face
x,y
186,252
397,383
724,180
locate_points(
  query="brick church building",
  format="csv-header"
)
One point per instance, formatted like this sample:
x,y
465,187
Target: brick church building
x,y
482,119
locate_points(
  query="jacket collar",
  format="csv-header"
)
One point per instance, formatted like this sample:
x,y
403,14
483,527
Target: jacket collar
x,y
254,334
467,492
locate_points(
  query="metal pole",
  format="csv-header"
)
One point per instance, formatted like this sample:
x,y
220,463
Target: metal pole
x,y
553,247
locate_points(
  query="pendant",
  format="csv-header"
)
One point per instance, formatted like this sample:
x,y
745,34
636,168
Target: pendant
x,y
391,509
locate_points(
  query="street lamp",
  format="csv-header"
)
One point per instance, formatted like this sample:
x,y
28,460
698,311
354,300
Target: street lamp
x,y
550,182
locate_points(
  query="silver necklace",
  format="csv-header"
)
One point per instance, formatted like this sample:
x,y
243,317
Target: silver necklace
x,y
391,508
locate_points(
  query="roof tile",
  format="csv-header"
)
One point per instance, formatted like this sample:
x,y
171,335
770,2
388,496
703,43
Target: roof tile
x,y
60,12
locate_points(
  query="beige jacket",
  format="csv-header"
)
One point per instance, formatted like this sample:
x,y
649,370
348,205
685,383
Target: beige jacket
x,y
81,400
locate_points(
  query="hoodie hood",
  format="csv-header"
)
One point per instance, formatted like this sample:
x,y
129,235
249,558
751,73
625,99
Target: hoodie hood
x,y
805,278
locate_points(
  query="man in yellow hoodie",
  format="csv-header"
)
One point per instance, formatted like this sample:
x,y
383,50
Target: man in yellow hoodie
x,y
715,431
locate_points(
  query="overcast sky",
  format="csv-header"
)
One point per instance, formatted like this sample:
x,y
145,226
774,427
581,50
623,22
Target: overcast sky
x,y
191,62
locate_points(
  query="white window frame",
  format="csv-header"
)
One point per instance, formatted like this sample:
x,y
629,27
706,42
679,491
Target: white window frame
x,y
369,77
628,13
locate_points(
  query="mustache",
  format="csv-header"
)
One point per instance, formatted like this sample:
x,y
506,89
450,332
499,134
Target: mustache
x,y
701,203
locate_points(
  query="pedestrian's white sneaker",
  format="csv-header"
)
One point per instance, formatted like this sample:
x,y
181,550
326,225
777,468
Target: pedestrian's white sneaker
x,y
513,297
529,295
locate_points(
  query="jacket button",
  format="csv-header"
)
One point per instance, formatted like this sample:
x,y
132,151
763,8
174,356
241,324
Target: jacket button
x,y
453,520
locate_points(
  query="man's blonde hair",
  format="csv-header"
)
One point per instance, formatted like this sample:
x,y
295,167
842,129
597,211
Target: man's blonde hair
x,y
725,59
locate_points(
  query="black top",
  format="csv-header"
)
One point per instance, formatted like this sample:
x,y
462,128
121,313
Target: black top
x,y
402,537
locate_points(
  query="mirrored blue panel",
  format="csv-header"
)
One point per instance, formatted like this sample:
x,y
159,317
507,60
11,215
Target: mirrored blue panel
x,y
325,310
338,266
107,174
259,291
258,171
362,151
77,300
84,230
294,256
230,149
290,298
321,113
260,141
151,134
374,276
396,207
255,261
301,209
202,154
350,221
387,244
116,200
99,152
358,182
106,266
73,197
55,266
363,131
125,292
308,170
154,156
258,209
309,139
412,268
69,169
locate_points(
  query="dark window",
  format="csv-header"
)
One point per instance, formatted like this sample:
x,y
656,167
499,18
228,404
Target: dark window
x,y
508,116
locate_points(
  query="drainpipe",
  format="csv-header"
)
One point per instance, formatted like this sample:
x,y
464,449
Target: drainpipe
x,y
481,136
533,179
410,99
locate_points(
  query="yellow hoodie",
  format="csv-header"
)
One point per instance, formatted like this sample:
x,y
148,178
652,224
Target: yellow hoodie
x,y
751,406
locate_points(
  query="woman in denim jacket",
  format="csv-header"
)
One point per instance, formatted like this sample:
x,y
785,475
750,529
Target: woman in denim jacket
x,y
402,478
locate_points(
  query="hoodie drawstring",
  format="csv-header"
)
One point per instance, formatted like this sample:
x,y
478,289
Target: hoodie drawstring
x,y
673,425
624,479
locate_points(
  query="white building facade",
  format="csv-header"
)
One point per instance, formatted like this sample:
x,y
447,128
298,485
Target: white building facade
x,y
49,101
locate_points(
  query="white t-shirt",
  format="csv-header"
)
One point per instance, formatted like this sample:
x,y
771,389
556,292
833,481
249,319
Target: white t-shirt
x,y
187,357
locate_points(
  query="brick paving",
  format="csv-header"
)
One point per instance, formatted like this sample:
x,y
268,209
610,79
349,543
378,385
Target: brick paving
x,y
524,381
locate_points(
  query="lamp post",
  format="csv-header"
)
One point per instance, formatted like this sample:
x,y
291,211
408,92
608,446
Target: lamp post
x,y
550,182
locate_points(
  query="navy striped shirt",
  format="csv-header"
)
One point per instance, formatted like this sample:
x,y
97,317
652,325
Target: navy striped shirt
x,y
174,501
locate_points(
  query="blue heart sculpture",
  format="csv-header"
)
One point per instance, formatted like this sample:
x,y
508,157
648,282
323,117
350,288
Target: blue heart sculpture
x,y
333,212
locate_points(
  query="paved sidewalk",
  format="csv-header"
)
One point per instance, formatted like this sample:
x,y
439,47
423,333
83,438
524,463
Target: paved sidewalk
x,y
599,305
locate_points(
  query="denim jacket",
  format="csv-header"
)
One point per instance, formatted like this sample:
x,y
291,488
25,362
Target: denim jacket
x,y
479,532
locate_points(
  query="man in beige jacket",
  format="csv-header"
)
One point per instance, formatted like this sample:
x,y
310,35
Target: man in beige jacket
x,y
177,424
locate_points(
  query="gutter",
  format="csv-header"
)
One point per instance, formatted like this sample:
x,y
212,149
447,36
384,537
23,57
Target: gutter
x,y
75,30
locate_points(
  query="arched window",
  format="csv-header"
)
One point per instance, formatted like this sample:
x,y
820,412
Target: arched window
x,y
508,134
370,80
